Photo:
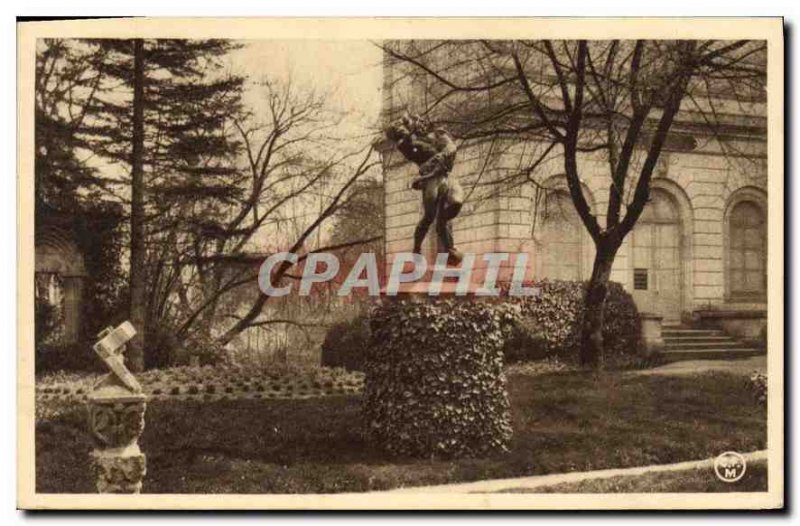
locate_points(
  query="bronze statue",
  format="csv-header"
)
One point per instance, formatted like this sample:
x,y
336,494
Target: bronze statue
x,y
434,151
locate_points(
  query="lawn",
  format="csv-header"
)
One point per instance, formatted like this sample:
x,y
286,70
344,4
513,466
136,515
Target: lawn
x,y
562,422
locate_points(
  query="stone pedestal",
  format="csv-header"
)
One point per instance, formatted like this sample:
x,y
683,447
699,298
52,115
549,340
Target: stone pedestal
x,y
119,471
652,341
116,420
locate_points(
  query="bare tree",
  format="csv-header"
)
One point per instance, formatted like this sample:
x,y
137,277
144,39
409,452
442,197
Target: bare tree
x,y
299,245
288,157
575,98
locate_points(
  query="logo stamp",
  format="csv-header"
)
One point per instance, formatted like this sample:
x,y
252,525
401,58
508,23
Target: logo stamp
x,y
730,466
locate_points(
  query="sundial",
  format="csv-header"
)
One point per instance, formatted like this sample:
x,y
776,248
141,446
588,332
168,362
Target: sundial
x,y
116,417
110,348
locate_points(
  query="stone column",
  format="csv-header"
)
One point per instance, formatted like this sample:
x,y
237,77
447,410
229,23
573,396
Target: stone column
x,y
116,420
73,292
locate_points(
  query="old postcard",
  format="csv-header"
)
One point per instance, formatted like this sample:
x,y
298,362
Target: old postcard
x,y
401,264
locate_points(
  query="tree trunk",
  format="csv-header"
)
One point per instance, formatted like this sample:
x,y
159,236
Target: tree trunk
x,y
138,309
594,306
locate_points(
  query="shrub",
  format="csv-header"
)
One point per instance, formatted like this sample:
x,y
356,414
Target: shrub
x,y
556,313
622,327
200,349
161,347
555,316
435,385
525,342
61,356
345,344
758,385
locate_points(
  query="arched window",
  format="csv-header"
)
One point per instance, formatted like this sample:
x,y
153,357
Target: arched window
x,y
747,254
562,238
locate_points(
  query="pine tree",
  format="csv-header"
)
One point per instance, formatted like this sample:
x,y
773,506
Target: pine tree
x,y
160,120
66,84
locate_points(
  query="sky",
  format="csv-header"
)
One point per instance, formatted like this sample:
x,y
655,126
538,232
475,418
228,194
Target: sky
x,y
347,72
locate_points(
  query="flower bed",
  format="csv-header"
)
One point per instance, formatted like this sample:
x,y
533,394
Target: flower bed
x,y
214,383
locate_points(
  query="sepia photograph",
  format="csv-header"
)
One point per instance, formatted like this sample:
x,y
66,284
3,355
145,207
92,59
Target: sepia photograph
x,y
401,264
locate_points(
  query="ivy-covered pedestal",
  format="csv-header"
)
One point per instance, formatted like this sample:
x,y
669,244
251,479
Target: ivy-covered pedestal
x,y
435,385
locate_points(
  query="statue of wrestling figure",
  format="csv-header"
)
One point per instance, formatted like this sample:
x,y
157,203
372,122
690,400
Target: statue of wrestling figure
x,y
434,151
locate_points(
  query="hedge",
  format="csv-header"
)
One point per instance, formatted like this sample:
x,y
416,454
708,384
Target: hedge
x,y
434,382
345,344
77,356
550,323
549,326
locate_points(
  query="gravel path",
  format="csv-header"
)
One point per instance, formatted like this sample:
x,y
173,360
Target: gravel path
x,y
745,366
522,483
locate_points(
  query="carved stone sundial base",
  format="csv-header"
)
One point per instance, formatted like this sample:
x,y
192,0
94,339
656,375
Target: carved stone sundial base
x,y
119,471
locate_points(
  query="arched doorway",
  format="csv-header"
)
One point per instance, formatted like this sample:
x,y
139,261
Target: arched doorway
x,y
59,274
657,258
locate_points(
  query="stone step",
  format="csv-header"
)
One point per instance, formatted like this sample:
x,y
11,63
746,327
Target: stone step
x,y
696,347
691,332
698,339
710,354
731,344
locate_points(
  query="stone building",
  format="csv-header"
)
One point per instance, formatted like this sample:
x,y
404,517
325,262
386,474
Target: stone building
x,y
698,253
